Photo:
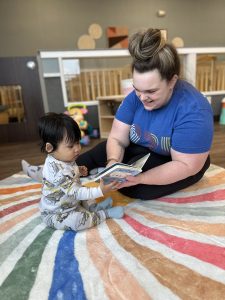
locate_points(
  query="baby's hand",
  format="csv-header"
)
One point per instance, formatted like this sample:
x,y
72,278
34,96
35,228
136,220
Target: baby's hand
x,y
83,171
109,187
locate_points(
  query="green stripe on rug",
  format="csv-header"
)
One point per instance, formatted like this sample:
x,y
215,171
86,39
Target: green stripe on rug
x,y
218,211
20,281
13,241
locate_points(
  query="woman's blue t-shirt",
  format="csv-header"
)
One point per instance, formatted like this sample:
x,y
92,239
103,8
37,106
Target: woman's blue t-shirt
x,y
184,124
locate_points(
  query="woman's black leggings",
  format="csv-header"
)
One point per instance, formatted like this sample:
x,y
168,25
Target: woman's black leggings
x,y
96,157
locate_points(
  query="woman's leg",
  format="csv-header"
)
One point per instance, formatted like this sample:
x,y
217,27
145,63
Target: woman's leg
x,y
149,192
94,158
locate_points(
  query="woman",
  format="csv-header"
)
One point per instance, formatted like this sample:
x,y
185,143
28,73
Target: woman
x,y
165,116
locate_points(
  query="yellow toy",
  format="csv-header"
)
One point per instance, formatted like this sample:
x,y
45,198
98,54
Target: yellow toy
x,y
77,112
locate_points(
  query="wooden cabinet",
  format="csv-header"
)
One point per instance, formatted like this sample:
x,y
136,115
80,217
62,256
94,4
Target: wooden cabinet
x,y
28,98
107,107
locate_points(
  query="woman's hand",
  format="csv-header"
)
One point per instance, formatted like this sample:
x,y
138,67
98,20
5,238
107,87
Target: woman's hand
x,y
130,181
83,170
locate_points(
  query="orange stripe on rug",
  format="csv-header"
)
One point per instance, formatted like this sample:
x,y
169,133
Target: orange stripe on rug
x,y
18,197
6,191
196,226
115,277
5,226
182,281
207,182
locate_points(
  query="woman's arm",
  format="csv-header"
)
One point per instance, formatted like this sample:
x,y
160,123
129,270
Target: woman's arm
x,y
182,166
117,141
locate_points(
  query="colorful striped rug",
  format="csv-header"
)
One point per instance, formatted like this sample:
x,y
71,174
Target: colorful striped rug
x,y
170,248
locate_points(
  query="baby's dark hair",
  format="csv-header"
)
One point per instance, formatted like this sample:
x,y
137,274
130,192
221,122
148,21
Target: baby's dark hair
x,y
53,127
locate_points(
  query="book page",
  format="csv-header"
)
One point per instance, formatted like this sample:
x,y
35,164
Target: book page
x,y
118,171
140,162
119,174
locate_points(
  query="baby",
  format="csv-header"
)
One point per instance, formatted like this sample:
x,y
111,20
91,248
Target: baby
x,y
65,203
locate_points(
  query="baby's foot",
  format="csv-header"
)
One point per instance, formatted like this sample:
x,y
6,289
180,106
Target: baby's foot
x,y
35,172
116,212
107,203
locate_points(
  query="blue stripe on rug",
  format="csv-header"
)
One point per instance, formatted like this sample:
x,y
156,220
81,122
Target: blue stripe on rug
x,y
67,282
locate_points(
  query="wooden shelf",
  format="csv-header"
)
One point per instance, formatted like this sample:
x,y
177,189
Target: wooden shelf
x,y
112,97
107,107
107,117
104,135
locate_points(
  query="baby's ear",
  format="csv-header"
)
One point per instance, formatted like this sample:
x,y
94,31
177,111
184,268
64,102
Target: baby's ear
x,y
48,147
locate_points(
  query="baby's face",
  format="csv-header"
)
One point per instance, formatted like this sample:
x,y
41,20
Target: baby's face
x,y
66,151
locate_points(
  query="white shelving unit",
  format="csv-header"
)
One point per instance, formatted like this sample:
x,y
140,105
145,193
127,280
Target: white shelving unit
x,y
50,67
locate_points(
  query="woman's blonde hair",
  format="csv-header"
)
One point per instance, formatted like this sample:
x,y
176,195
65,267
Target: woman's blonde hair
x,y
150,51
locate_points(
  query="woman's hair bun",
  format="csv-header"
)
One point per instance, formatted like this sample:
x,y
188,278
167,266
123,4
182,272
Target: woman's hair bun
x,y
144,45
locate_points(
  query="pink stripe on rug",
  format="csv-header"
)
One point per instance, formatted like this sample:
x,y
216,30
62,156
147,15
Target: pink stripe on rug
x,y
212,196
17,207
209,253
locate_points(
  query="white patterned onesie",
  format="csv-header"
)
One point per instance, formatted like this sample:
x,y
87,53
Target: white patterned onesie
x,y
64,202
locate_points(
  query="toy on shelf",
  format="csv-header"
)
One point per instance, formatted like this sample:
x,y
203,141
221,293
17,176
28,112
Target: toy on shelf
x,y
77,112
222,115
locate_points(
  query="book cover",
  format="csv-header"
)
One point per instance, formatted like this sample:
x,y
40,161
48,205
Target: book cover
x,y
119,171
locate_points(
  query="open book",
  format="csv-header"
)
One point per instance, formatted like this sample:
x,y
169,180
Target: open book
x,y
119,171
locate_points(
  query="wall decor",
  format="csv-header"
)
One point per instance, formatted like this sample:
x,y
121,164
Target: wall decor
x,y
117,37
177,42
85,41
95,31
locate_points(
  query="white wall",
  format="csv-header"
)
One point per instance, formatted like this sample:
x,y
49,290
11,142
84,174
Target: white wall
x,y
27,26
